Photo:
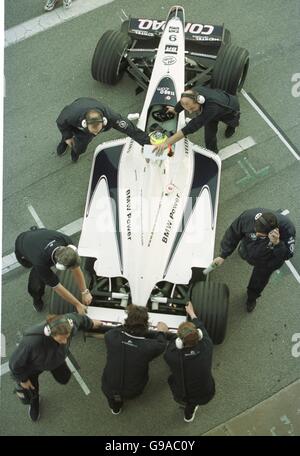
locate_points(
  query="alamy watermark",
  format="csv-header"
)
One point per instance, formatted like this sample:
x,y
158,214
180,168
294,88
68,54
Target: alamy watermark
x,y
296,347
296,87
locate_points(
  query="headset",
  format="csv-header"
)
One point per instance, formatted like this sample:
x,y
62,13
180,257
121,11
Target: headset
x,y
62,267
197,97
49,326
94,120
185,332
259,217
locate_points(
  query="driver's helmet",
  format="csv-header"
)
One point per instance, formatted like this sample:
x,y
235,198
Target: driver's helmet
x,y
157,137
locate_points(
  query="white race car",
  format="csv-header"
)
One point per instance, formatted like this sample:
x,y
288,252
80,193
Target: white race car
x,y
149,222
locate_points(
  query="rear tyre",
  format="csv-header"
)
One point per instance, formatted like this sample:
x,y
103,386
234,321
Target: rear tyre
x,y
230,69
109,64
210,301
57,304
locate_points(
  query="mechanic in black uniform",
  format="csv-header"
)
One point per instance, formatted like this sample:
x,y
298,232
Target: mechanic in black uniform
x,y
44,347
41,249
84,119
265,241
210,106
189,356
129,352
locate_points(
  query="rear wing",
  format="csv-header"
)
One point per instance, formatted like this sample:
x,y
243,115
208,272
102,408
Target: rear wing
x,y
152,28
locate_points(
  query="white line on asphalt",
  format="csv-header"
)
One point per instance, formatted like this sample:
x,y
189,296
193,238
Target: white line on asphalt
x,y
270,123
78,377
36,218
48,20
73,227
293,270
4,368
236,148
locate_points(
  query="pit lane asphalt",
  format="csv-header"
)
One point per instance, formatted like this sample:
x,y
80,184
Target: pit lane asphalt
x,y
49,70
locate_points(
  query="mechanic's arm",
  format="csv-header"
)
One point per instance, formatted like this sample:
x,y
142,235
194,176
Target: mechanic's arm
x,y
80,280
196,320
283,249
67,296
230,240
18,363
66,129
194,125
83,322
172,140
159,344
126,127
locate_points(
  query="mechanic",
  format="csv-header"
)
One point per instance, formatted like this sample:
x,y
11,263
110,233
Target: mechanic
x,y
265,241
50,4
210,107
129,352
189,356
84,119
41,249
45,347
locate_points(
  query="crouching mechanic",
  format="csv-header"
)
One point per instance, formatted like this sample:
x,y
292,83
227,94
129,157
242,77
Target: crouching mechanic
x,y
210,106
189,356
129,352
45,347
265,241
40,250
84,119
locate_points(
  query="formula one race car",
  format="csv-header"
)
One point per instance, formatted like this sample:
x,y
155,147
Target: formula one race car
x,y
149,222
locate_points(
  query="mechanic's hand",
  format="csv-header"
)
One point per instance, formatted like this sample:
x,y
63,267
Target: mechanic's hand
x,y
70,142
171,110
274,236
27,385
218,261
81,309
97,324
159,149
161,326
190,310
87,299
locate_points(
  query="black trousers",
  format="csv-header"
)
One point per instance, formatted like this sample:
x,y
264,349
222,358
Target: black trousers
x,y
211,129
62,375
259,278
189,402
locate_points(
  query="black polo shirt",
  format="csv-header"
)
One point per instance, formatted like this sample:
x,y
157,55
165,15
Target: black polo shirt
x,y
218,104
38,247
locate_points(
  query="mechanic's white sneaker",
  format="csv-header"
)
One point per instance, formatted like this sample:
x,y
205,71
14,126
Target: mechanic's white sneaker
x,y
50,4
189,413
67,3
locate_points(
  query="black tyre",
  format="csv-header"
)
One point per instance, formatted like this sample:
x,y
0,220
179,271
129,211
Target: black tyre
x,y
210,301
108,64
57,304
230,69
